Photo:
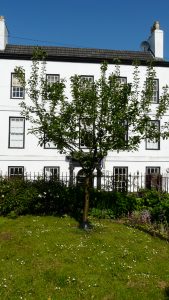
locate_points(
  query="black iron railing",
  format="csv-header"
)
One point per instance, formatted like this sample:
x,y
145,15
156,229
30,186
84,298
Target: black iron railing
x,y
107,182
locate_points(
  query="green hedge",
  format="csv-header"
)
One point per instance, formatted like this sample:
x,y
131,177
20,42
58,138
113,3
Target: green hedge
x,y
19,197
39,197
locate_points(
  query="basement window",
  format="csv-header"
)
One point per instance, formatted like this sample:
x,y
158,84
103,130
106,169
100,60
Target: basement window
x,y
15,172
120,179
51,173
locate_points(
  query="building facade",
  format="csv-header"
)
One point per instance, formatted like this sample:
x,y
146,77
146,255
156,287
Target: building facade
x,y
20,152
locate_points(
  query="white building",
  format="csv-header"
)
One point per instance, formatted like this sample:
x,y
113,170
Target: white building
x,y
20,153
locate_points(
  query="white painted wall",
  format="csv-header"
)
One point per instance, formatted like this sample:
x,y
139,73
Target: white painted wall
x,y
34,157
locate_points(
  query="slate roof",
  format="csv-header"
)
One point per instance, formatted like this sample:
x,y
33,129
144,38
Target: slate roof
x,y
78,54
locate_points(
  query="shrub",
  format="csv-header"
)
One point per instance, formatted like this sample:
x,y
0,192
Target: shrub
x,y
39,197
140,217
16,195
56,199
157,203
102,213
119,204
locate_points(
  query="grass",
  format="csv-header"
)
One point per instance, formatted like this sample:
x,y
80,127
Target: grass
x,y
44,258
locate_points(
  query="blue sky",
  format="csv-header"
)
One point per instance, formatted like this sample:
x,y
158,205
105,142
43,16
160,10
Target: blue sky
x,y
109,24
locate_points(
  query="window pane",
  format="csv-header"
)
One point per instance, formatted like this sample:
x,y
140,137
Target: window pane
x,y
120,179
17,91
51,173
88,77
50,145
152,170
16,135
155,91
154,144
86,127
52,78
15,172
15,81
122,80
153,179
86,80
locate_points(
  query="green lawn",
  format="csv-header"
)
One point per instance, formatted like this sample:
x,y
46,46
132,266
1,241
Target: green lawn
x,y
51,258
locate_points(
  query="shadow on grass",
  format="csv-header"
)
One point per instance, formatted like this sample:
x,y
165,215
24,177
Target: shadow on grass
x,y
149,231
166,293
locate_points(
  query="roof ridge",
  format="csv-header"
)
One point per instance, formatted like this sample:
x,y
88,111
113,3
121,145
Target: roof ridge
x,y
77,48
85,55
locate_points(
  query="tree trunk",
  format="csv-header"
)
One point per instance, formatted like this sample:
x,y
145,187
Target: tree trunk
x,y
99,177
86,203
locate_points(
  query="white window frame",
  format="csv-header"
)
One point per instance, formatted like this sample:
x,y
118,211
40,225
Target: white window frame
x,y
52,78
81,139
122,79
126,131
16,133
120,178
153,178
152,170
155,143
90,78
16,172
87,80
17,90
51,172
155,90
155,98
49,145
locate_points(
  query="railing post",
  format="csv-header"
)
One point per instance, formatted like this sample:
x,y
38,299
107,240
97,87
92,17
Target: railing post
x,y
108,181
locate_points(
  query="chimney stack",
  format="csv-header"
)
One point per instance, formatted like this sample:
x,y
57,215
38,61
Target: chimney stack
x,y
3,34
156,41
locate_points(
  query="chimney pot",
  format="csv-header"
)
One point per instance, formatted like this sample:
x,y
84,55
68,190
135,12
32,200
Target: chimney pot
x,y
156,26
